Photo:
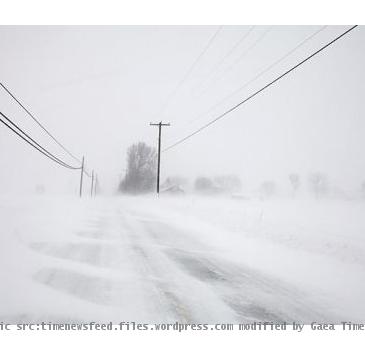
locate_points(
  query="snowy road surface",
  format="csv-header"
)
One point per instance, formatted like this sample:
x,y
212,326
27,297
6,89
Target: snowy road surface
x,y
131,260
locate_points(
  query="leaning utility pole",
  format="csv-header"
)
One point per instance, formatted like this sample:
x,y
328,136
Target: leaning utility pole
x,y
160,124
82,174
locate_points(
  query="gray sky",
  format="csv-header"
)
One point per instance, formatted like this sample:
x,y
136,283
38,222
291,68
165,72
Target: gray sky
x,y
97,89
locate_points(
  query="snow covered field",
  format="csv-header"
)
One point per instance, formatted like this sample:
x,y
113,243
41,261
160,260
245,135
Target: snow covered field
x,y
187,259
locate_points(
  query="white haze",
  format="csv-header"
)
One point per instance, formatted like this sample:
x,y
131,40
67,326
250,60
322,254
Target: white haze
x,y
188,258
97,89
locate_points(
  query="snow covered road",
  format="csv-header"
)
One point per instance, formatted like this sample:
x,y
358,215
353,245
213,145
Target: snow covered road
x,y
123,260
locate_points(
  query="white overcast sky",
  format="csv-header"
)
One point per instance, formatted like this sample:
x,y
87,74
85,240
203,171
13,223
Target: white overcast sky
x,y
97,88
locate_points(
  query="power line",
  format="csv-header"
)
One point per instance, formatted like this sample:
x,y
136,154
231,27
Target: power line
x,y
260,90
190,70
43,127
261,73
240,58
38,122
34,143
23,135
228,53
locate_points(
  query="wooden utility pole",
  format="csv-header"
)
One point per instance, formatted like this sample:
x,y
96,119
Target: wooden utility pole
x,y
160,125
92,183
82,174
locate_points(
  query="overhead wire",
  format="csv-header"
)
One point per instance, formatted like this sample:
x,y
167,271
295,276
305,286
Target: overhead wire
x,y
38,122
244,54
222,115
189,71
228,53
23,135
260,74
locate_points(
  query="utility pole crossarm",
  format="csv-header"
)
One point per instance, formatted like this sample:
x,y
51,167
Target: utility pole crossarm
x,y
160,125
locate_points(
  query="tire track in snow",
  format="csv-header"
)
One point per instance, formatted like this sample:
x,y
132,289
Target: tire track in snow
x,y
167,301
253,296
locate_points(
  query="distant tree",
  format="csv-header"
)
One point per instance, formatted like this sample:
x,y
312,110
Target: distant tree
x,y
318,183
204,184
268,188
295,182
228,183
141,169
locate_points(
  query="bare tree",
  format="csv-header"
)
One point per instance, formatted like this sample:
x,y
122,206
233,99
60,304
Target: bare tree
x,y
141,169
318,183
295,182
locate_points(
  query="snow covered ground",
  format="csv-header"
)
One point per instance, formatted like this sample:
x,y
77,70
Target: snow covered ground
x,y
188,259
